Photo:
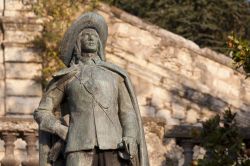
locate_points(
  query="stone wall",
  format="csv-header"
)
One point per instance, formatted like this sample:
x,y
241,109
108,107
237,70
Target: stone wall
x,y
19,63
174,78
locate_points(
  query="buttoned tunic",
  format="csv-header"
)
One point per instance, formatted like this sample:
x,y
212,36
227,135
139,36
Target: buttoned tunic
x,y
100,109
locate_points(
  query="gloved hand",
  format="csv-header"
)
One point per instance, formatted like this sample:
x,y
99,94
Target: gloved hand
x,y
61,130
130,145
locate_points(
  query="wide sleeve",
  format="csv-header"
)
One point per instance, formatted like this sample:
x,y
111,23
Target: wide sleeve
x,y
44,113
127,113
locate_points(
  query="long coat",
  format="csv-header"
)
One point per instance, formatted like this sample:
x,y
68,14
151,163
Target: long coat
x,y
100,106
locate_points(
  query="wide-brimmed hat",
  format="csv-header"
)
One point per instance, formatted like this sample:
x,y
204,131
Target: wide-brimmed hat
x,y
87,20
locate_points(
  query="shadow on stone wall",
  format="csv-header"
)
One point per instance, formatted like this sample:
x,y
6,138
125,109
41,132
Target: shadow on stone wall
x,y
203,100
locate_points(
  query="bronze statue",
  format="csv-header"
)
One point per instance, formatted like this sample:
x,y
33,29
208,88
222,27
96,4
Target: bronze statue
x,y
89,114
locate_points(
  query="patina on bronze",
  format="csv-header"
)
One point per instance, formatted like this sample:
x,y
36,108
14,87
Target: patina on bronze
x,y
89,114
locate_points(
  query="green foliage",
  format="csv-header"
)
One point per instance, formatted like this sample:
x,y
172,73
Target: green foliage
x,y
206,22
223,142
57,16
239,51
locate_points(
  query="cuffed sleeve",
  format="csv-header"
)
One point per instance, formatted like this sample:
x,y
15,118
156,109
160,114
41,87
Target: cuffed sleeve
x,y
44,113
127,114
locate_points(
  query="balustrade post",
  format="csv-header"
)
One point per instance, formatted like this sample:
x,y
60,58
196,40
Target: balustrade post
x,y
9,159
32,158
187,145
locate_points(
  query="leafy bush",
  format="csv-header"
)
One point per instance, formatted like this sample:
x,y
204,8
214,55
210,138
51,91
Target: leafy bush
x,y
239,51
206,22
223,142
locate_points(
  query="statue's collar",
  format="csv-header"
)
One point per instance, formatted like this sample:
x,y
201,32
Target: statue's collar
x,y
91,61
74,67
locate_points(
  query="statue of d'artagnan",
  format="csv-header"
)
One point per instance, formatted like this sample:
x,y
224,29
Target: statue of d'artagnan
x,y
89,115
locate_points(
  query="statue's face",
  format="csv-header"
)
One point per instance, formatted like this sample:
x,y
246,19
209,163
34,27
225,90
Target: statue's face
x,y
89,41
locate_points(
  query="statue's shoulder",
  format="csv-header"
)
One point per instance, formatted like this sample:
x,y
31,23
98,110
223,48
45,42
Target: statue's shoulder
x,y
65,71
60,77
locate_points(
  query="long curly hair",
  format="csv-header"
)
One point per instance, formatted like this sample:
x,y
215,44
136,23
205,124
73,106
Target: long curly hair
x,y
78,52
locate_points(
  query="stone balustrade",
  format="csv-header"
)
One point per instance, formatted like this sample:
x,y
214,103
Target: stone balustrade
x,y
10,130
156,131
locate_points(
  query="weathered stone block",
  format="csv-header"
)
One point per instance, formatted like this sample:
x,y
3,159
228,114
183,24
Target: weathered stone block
x,y
247,97
154,132
179,111
1,71
1,5
227,87
224,72
2,103
22,23
242,117
21,54
166,114
192,116
170,84
142,100
235,102
20,36
187,72
2,149
116,60
23,70
23,87
197,74
18,13
16,5
140,72
21,105
2,88
160,96
152,66
143,87
211,66
184,57
140,37
1,55
147,111
170,50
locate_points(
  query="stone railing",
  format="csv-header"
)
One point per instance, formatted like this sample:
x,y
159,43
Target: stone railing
x,y
10,130
187,137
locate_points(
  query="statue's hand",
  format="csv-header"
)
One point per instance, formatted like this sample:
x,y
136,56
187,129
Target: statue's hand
x,y
61,131
130,146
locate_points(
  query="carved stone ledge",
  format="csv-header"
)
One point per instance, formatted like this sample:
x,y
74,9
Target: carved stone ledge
x,y
29,20
9,124
182,131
